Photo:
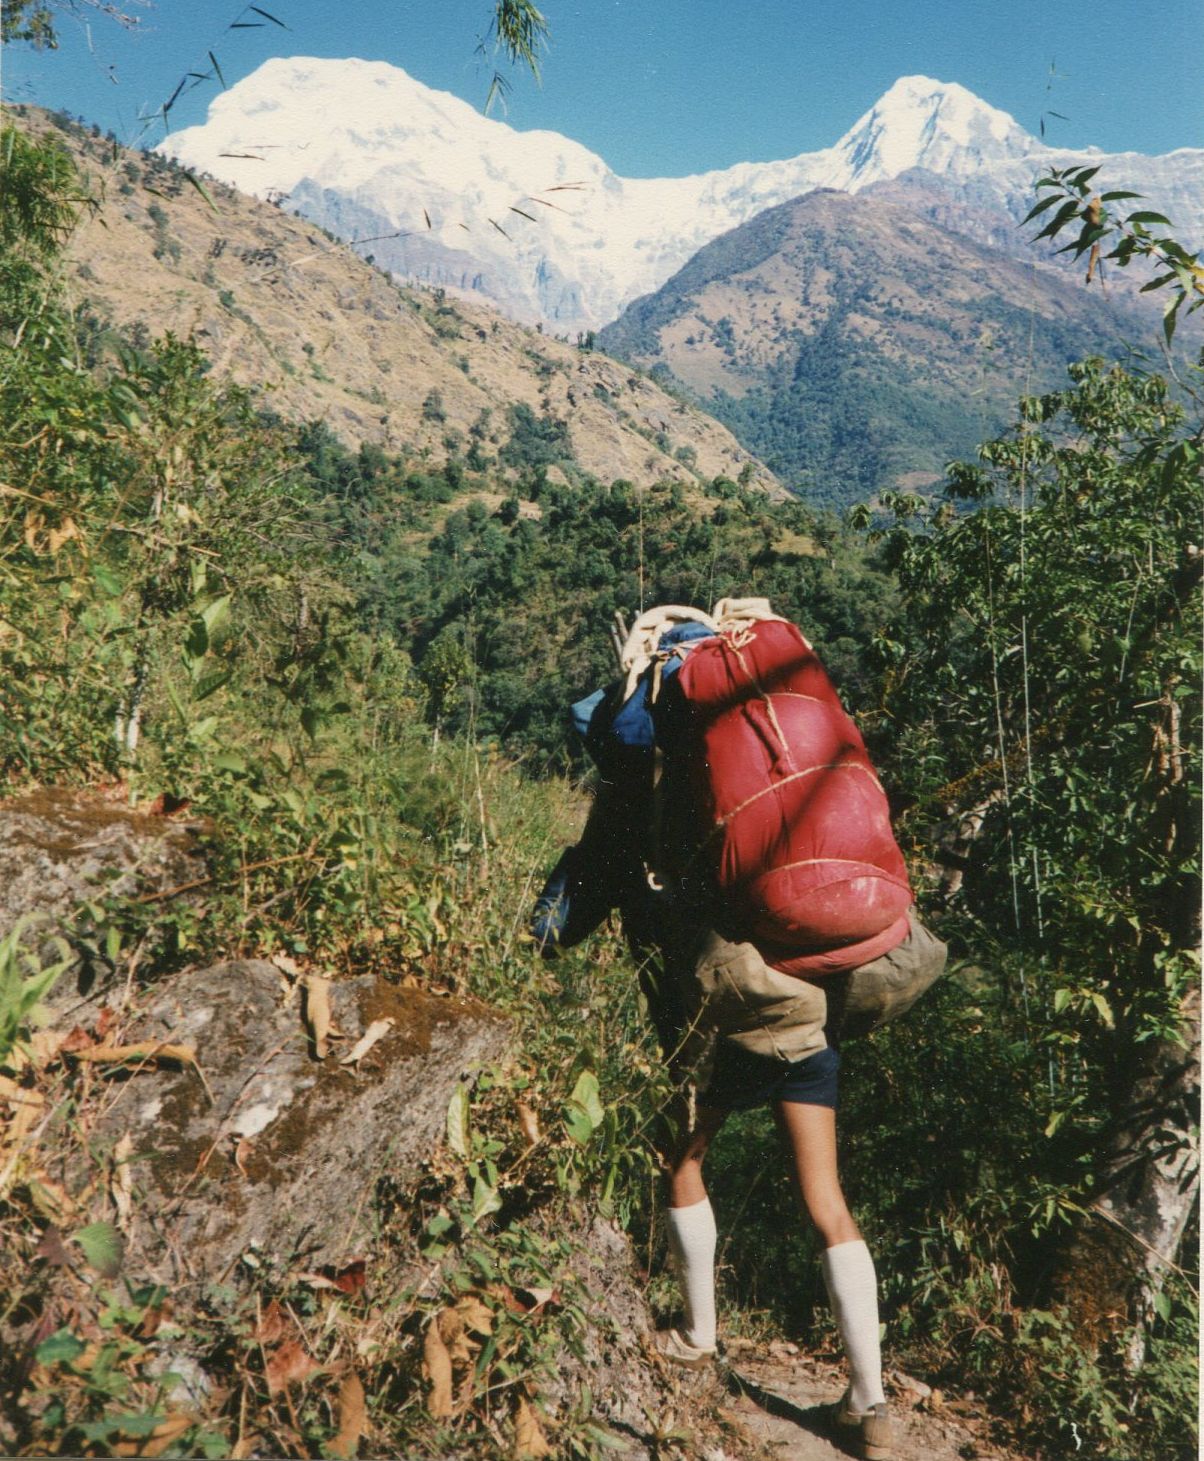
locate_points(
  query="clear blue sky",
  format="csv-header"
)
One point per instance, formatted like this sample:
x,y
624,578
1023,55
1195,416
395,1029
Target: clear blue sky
x,y
664,87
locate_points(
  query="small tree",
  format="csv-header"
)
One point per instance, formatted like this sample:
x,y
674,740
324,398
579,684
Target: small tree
x,y
1046,685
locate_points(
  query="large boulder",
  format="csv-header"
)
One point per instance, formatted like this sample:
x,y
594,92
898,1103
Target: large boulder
x,y
263,1152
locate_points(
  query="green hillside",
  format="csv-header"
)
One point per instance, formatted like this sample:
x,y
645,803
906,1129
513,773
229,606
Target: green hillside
x,y
857,347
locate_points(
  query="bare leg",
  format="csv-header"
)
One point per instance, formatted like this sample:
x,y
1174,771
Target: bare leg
x,y
685,1171
810,1132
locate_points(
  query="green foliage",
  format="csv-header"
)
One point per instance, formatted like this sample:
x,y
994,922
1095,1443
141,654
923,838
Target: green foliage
x,y
1137,237
24,982
1042,685
31,21
535,441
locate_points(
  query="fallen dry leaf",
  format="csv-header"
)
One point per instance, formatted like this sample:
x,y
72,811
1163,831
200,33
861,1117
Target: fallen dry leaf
x,y
23,1108
75,1040
287,1365
317,1013
438,1366
168,1431
528,1123
121,1185
272,1324
52,1200
44,1046
377,1030
530,1443
476,1316
353,1418
144,1050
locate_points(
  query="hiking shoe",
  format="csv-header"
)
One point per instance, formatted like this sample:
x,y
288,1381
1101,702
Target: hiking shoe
x,y
678,1351
872,1424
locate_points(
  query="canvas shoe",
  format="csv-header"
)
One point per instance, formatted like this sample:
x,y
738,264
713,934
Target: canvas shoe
x,y
678,1351
873,1426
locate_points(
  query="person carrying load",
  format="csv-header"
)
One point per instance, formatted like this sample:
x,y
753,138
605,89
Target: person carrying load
x,y
744,835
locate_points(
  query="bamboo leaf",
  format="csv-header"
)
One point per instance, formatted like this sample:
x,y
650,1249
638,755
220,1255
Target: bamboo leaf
x,y
201,188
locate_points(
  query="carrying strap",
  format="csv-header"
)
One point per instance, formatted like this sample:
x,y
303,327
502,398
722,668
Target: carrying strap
x,y
644,637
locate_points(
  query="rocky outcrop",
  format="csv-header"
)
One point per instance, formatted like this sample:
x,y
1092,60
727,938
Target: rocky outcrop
x,y
261,1150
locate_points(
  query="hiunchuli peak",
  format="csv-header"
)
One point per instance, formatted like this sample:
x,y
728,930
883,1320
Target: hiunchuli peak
x,y
543,228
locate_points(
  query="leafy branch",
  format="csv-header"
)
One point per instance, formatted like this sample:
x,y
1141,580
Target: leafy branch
x,y
519,30
1135,236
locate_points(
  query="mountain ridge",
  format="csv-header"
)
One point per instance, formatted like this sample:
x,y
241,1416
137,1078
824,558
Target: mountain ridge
x,y
855,345
543,226
319,333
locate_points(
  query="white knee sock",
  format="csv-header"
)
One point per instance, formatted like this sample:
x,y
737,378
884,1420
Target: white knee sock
x,y
692,1243
853,1290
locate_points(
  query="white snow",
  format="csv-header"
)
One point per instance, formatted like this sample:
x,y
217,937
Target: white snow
x,y
543,226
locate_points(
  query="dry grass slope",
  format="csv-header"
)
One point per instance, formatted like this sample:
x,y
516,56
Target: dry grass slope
x,y
320,333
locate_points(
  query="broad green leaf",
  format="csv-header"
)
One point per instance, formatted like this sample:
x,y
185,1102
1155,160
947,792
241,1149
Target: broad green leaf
x,y
1040,208
209,684
1104,1009
229,761
484,1200
457,1121
1170,318
585,1094
216,615
61,1346
107,580
103,1247
578,1125
1060,219
196,645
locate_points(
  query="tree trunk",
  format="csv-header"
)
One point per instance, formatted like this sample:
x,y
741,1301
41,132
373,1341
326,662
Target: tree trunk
x,y
1114,1267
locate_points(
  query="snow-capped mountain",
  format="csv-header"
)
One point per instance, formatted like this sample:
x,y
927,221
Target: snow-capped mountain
x,y
539,224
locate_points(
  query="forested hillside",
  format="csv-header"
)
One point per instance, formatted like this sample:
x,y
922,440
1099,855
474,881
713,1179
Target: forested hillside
x,y
346,667
857,346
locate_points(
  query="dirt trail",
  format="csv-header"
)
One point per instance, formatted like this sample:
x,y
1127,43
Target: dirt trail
x,y
777,1410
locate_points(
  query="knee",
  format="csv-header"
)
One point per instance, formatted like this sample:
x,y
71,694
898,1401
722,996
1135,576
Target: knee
x,y
832,1220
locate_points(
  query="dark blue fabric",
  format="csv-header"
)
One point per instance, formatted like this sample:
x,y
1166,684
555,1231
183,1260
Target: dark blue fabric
x,y
610,725
741,1080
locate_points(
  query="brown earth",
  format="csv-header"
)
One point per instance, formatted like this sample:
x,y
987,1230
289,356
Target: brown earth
x,y
321,334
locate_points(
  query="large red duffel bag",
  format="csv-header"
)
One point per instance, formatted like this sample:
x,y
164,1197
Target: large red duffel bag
x,y
793,827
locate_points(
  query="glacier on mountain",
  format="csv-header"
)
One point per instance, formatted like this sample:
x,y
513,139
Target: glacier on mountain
x,y
442,195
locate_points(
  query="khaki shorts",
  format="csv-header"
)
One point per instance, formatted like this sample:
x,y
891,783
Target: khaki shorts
x,y
735,995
